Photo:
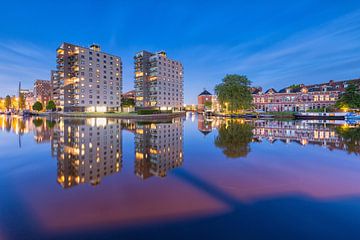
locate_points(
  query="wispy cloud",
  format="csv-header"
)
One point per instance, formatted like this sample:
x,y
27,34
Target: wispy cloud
x,y
317,54
22,61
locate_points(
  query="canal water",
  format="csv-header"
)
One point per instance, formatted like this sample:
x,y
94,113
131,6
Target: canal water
x,y
184,178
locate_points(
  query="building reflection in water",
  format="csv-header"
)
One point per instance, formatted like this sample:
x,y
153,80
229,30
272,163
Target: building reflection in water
x,y
332,134
234,135
158,147
87,150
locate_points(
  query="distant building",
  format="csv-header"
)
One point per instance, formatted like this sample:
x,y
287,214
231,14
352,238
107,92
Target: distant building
x,y
126,98
206,97
29,98
301,98
42,91
87,80
128,95
203,98
158,81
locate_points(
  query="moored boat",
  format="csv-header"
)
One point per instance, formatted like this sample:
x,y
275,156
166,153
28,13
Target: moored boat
x,y
321,115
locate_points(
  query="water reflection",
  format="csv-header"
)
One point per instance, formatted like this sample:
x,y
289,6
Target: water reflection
x,y
234,137
87,150
158,148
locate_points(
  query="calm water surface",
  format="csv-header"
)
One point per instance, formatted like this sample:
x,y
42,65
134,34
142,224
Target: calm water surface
x,y
187,178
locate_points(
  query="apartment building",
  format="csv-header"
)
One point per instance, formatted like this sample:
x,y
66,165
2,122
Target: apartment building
x,y
301,97
42,91
158,148
159,82
87,79
87,150
56,95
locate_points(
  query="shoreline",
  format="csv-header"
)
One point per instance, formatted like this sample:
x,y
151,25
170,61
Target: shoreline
x,y
114,115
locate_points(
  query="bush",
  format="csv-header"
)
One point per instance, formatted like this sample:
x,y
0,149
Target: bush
x,y
148,111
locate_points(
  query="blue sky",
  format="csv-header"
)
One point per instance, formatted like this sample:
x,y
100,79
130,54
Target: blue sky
x,y
274,43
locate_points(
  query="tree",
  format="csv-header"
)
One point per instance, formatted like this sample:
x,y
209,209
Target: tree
x,y
234,139
7,102
351,138
38,122
37,106
234,93
21,101
51,106
350,98
50,124
127,102
208,105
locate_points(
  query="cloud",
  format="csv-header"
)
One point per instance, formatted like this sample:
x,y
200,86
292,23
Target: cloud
x,y
22,61
316,54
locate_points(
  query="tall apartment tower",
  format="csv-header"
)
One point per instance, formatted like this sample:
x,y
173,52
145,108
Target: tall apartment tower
x,y
159,82
56,94
88,80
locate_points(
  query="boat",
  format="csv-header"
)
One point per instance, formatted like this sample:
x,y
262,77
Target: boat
x,y
352,116
266,116
321,115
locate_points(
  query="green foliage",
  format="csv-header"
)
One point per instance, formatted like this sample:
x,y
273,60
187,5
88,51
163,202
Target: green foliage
x,y
148,111
7,102
50,124
51,106
350,99
294,86
38,122
234,139
127,102
21,101
208,105
351,138
234,93
37,106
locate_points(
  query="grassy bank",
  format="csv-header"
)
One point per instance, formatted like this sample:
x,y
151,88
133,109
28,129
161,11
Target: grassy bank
x,y
282,115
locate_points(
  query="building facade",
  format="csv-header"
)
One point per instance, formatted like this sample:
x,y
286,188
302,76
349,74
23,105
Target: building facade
x,y
29,98
301,98
42,91
87,79
56,95
159,82
203,98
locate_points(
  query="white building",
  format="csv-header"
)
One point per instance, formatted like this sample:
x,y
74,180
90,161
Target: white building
x,y
159,81
87,79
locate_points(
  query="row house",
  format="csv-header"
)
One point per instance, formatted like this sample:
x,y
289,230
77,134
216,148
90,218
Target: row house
x,y
301,98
